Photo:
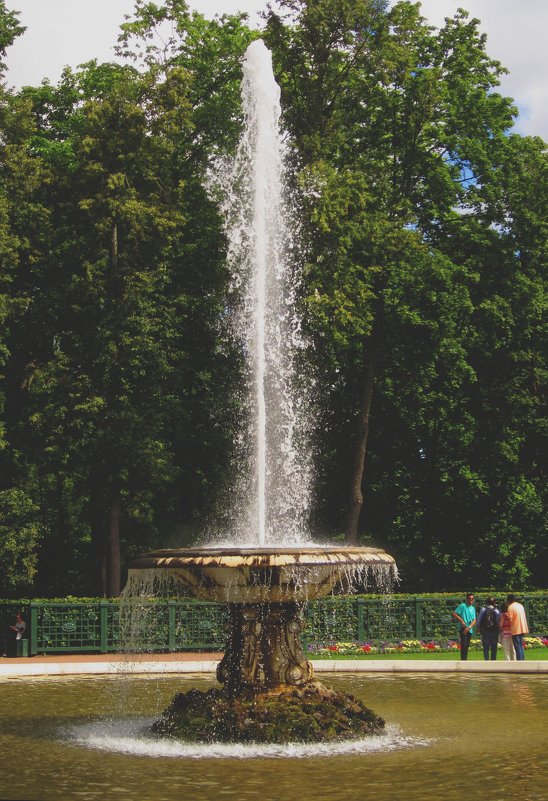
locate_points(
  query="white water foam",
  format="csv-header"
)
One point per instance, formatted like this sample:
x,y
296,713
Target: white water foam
x,y
129,736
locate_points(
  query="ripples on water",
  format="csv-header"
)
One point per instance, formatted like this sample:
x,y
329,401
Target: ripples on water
x,y
131,737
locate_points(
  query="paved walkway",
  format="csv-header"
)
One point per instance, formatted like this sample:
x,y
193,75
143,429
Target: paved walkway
x,y
90,664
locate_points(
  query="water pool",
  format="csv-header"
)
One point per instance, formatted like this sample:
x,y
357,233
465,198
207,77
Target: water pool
x,y
448,737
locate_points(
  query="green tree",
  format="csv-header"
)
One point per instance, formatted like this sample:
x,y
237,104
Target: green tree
x,y
100,406
122,429
20,178
19,536
399,142
10,29
504,524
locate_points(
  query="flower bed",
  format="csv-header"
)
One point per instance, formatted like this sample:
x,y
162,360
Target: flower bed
x,y
362,649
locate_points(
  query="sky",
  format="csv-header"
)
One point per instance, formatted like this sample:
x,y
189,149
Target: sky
x,y
70,32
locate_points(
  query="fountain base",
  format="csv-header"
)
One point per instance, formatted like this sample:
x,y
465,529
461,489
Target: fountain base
x,y
311,713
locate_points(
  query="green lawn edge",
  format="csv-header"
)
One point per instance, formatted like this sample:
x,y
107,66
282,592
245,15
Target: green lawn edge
x,y
531,653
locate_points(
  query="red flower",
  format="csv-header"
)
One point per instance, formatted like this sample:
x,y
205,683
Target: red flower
x,y
366,648
333,648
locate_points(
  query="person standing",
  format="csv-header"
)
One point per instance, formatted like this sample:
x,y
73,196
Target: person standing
x,y
506,634
14,632
488,627
19,626
465,615
518,625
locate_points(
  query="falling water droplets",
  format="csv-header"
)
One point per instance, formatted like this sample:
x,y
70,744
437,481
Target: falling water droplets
x,y
271,498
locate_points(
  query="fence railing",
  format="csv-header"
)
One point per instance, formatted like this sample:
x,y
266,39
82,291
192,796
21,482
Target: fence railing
x,y
109,626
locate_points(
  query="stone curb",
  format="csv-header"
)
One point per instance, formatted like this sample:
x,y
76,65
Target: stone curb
x,y
93,668
328,666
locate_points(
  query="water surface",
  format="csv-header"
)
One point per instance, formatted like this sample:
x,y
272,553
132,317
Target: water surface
x,y
449,737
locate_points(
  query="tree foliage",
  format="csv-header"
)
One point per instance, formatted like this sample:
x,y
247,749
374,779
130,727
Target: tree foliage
x,y
402,152
424,226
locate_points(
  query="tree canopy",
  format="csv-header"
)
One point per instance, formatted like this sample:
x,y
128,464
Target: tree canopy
x,y
423,218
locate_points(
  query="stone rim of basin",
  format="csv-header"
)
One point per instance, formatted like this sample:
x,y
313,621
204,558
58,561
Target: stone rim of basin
x,y
262,556
265,575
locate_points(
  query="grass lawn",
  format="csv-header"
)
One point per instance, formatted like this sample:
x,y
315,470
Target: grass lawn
x,y
533,653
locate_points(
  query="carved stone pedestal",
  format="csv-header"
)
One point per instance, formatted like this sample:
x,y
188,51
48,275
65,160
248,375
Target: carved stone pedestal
x,y
264,648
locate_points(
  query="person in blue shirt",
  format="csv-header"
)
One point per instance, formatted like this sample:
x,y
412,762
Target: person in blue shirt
x,y
465,615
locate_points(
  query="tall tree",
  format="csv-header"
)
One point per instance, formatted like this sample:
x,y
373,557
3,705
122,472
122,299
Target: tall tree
x,y
21,216
127,294
398,138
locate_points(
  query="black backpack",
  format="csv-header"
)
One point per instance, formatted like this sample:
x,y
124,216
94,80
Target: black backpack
x,y
489,621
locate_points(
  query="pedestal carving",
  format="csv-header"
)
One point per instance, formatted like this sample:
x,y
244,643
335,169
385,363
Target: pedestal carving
x,y
264,648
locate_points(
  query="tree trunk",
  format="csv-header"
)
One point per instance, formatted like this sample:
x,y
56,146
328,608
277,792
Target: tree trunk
x,y
114,247
356,496
97,505
99,559
114,546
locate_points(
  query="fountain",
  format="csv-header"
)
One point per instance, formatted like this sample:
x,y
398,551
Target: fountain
x,y
269,693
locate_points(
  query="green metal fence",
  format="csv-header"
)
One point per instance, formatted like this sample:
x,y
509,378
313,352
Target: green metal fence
x,y
395,619
109,626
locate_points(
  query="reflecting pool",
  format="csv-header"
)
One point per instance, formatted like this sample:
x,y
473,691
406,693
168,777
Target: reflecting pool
x,y
448,737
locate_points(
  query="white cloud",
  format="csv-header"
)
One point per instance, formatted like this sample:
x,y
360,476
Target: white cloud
x,y
61,32
516,36
71,32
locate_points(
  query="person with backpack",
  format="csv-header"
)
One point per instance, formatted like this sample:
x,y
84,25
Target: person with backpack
x,y
488,627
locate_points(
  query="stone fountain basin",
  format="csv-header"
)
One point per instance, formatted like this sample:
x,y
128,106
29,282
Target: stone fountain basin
x,y
265,575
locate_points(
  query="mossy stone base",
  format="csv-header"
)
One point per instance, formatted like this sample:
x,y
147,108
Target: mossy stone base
x,y
313,713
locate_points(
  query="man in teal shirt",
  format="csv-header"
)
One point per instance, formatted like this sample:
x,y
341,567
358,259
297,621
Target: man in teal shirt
x,y
465,615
